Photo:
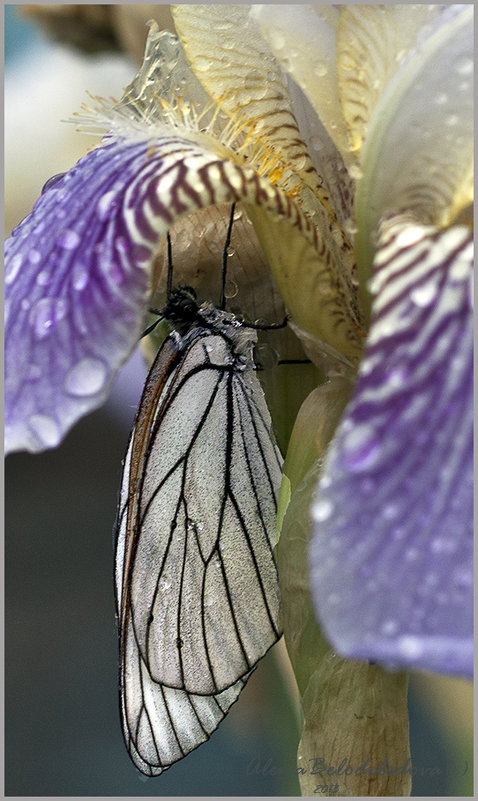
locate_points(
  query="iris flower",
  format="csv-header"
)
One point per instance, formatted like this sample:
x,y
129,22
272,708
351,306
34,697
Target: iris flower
x,y
346,134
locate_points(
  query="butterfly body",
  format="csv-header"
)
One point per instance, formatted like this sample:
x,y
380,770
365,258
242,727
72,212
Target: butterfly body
x,y
196,582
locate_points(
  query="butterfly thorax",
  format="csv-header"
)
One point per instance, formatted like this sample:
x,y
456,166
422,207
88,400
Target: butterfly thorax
x,y
189,318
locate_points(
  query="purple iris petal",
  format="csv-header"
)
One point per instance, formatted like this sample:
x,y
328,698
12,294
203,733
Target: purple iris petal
x,y
76,286
391,552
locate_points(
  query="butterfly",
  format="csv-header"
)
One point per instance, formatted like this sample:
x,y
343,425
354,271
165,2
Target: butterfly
x,y
196,581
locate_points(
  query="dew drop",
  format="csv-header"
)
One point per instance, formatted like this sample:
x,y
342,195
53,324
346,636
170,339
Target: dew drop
x,y
230,289
34,256
443,545
86,378
43,278
51,182
45,429
424,295
320,69
121,244
81,277
277,40
323,510
464,66
390,511
265,356
361,447
398,533
68,239
463,577
410,647
44,314
12,268
105,204
316,142
333,598
389,627
355,171
451,120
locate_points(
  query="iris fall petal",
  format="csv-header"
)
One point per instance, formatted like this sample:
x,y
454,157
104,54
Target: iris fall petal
x,y
391,553
76,281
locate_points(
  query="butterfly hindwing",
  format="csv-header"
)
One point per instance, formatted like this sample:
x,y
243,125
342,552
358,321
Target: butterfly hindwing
x,y
197,588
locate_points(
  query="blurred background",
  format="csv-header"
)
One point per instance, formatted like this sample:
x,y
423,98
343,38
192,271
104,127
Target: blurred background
x,y
62,728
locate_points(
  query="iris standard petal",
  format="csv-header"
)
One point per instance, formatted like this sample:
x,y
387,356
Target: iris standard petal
x,y
391,552
303,39
236,66
373,42
418,153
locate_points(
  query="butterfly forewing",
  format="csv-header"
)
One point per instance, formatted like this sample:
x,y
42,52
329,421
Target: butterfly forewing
x,y
197,589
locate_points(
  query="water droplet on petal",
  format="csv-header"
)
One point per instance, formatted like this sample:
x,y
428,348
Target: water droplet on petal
x,y
45,313
389,627
45,429
51,182
13,267
323,510
390,511
43,278
34,257
106,203
68,239
463,576
81,277
320,69
277,40
355,171
265,356
464,66
86,378
424,295
231,288
451,120
410,647
121,244
361,447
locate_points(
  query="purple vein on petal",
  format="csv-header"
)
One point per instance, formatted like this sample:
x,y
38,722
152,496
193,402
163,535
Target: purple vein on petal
x,y
76,284
391,552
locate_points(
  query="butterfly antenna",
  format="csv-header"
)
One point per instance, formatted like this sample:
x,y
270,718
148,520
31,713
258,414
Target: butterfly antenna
x,y
169,284
222,304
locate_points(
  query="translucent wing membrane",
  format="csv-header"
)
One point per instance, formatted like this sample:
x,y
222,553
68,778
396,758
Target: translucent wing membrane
x,y
197,589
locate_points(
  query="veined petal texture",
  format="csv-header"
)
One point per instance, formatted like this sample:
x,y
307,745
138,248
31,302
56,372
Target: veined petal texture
x,y
391,552
76,285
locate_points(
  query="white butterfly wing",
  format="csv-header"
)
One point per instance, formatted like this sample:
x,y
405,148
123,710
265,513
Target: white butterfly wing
x,y
161,724
197,589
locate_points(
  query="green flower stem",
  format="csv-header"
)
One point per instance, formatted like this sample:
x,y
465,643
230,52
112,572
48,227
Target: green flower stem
x,y
355,740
